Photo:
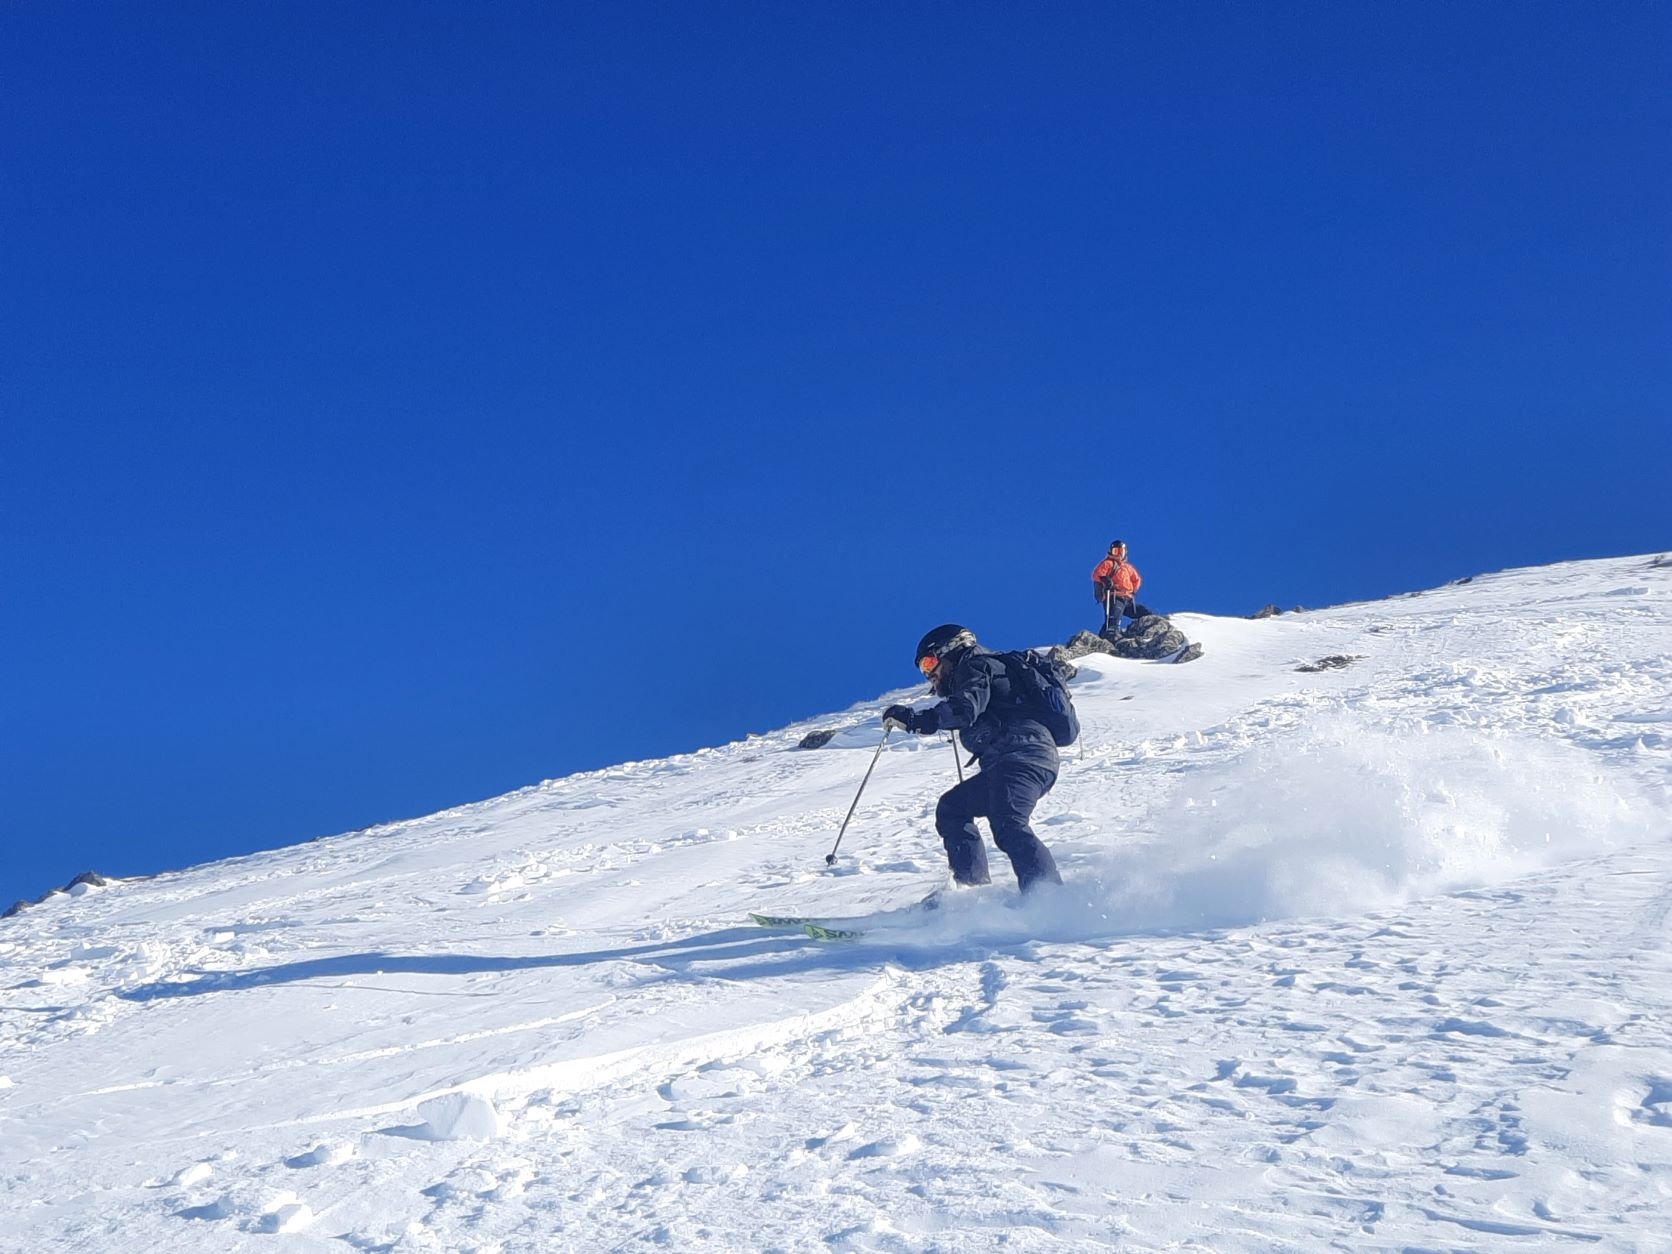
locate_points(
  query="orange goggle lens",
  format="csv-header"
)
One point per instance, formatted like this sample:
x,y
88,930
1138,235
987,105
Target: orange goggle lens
x,y
928,664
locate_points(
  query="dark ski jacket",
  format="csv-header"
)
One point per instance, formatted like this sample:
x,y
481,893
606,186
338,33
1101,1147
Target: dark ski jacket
x,y
979,706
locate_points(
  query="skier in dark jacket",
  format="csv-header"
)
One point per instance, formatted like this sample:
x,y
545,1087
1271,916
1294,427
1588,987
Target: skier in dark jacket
x,y
1017,755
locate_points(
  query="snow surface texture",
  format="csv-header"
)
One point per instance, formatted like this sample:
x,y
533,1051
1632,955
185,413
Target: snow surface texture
x,y
1373,958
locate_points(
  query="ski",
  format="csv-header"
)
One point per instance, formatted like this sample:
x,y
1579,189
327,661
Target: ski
x,y
786,920
820,932
839,928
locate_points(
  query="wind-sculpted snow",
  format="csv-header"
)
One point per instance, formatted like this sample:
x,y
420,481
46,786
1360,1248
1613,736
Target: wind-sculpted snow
x,y
1376,957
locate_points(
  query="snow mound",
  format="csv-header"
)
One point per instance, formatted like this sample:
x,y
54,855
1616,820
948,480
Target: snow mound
x,y
456,1117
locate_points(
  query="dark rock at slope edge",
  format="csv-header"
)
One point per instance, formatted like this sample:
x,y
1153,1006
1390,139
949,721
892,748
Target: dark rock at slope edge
x,y
89,879
1080,644
1334,662
1151,638
1154,638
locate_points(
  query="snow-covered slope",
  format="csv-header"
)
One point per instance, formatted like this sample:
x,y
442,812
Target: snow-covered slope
x,y
1377,957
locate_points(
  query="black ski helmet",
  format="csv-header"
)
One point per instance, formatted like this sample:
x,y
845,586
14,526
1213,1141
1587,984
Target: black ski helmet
x,y
947,638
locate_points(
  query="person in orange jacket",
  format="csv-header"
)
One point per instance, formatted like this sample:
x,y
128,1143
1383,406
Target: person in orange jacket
x,y
1115,583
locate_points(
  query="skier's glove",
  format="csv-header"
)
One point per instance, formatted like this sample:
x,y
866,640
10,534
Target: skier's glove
x,y
901,717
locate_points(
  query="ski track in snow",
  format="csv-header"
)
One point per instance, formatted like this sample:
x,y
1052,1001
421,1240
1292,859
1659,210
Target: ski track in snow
x,y
1377,958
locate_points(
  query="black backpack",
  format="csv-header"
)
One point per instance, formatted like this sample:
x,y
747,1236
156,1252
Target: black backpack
x,y
1039,693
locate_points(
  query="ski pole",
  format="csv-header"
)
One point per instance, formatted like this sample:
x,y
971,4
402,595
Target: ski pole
x,y
830,858
957,758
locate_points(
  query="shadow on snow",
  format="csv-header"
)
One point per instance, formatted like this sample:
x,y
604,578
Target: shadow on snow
x,y
731,954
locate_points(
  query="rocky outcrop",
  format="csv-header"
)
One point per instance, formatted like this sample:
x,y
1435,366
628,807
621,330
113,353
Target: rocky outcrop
x,y
1080,644
816,740
1065,669
1334,662
1150,638
80,884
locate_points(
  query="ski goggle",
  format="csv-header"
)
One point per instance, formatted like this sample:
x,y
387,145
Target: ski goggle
x,y
928,664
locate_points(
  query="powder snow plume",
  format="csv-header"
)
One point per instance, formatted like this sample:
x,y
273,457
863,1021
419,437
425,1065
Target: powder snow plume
x,y
1341,819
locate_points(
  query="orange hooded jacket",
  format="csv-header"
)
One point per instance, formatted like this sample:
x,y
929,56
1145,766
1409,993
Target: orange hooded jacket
x,y
1122,576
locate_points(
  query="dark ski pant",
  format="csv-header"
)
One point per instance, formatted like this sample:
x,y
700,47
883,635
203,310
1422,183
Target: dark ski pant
x,y
1122,607
1005,794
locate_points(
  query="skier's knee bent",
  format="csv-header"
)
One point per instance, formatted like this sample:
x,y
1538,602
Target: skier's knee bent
x,y
953,812
955,821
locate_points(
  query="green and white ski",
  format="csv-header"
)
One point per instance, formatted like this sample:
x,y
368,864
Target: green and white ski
x,y
820,932
852,927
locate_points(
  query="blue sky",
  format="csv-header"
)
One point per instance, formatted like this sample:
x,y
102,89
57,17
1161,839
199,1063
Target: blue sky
x,y
405,403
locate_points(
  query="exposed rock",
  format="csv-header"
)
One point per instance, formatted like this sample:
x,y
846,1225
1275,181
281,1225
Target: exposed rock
x,y
1065,669
1153,638
1665,559
1332,663
84,881
1190,654
816,740
1080,644
1269,611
